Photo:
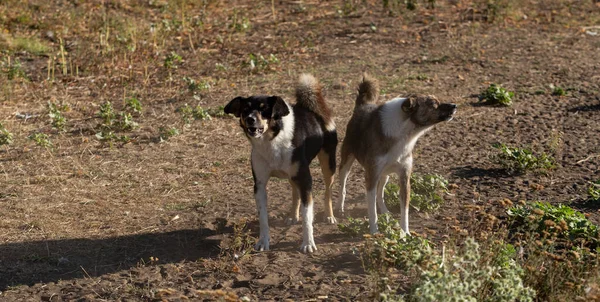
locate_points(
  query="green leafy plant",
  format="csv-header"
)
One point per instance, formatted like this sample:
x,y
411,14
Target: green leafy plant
x,y
166,133
194,86
426,192
475,274
219,112
171,60
593,189
127,123
6,137
134,105
107,114
557,91
561,220
561,248
496,95
41,140
259,63
521,160
12,69
58,119
188,113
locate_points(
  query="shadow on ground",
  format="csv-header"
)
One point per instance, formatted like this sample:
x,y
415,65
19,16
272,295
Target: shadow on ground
x,y
53,260
470,172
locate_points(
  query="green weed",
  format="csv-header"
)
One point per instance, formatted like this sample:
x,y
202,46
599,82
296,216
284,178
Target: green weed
x,y
521,160
474,274
6,137
58,120
561,220
557,91
561,249
426,192
166,133
194,86
12,69
593,190
198,113
496,95
41,140
30,45
219,112
107,114
134,105
259,63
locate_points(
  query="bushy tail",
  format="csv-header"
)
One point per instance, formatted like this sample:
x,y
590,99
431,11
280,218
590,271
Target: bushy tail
x,y
309,96
368,91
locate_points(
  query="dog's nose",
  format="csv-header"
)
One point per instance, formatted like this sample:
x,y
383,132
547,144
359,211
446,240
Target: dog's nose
x,y
453,106
250,120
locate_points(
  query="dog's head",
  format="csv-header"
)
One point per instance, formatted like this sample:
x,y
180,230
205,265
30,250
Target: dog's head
x,y
426,110
258,114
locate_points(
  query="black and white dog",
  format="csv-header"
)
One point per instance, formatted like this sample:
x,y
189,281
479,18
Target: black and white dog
x,y
381,137
285,139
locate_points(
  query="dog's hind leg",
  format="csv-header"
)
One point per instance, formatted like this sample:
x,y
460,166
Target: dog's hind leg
x,y
383,180
404,175
295,210
371,179
327,162
345,165
303,180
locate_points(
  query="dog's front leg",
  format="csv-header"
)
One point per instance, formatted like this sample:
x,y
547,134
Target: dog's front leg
x,y
261,178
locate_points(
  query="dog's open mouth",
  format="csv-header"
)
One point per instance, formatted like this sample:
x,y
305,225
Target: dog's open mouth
x,y
255,132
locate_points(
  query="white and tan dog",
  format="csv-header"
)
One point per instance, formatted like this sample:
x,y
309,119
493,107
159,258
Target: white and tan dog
x,y
381,137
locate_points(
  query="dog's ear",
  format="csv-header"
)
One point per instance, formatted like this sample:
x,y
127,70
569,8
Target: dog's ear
x,y
410,104
234,107
280,108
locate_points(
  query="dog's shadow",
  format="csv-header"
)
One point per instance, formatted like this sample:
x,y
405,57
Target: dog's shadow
x,y
53,260
471,172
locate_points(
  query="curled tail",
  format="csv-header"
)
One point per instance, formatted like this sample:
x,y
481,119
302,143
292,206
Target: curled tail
x,y
368,91
309,96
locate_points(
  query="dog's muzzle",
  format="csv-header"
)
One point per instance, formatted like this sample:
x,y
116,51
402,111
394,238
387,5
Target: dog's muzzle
x,y
255,131
451,110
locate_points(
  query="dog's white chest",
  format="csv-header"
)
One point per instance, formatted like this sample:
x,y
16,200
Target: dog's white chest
x,y
273,161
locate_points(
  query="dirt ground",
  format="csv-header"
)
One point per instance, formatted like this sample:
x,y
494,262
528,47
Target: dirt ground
x,y
154,219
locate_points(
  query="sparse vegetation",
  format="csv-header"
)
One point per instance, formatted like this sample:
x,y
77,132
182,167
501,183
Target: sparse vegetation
x,y
496,95
426,194
41,139
134,105
166,133
197,113
522,160
561,221
259,63
593,189
557,91
6,137
57,118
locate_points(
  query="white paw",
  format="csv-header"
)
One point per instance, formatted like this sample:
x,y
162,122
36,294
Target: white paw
x,y
291,221
308,247
374,229
331,220
262,245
